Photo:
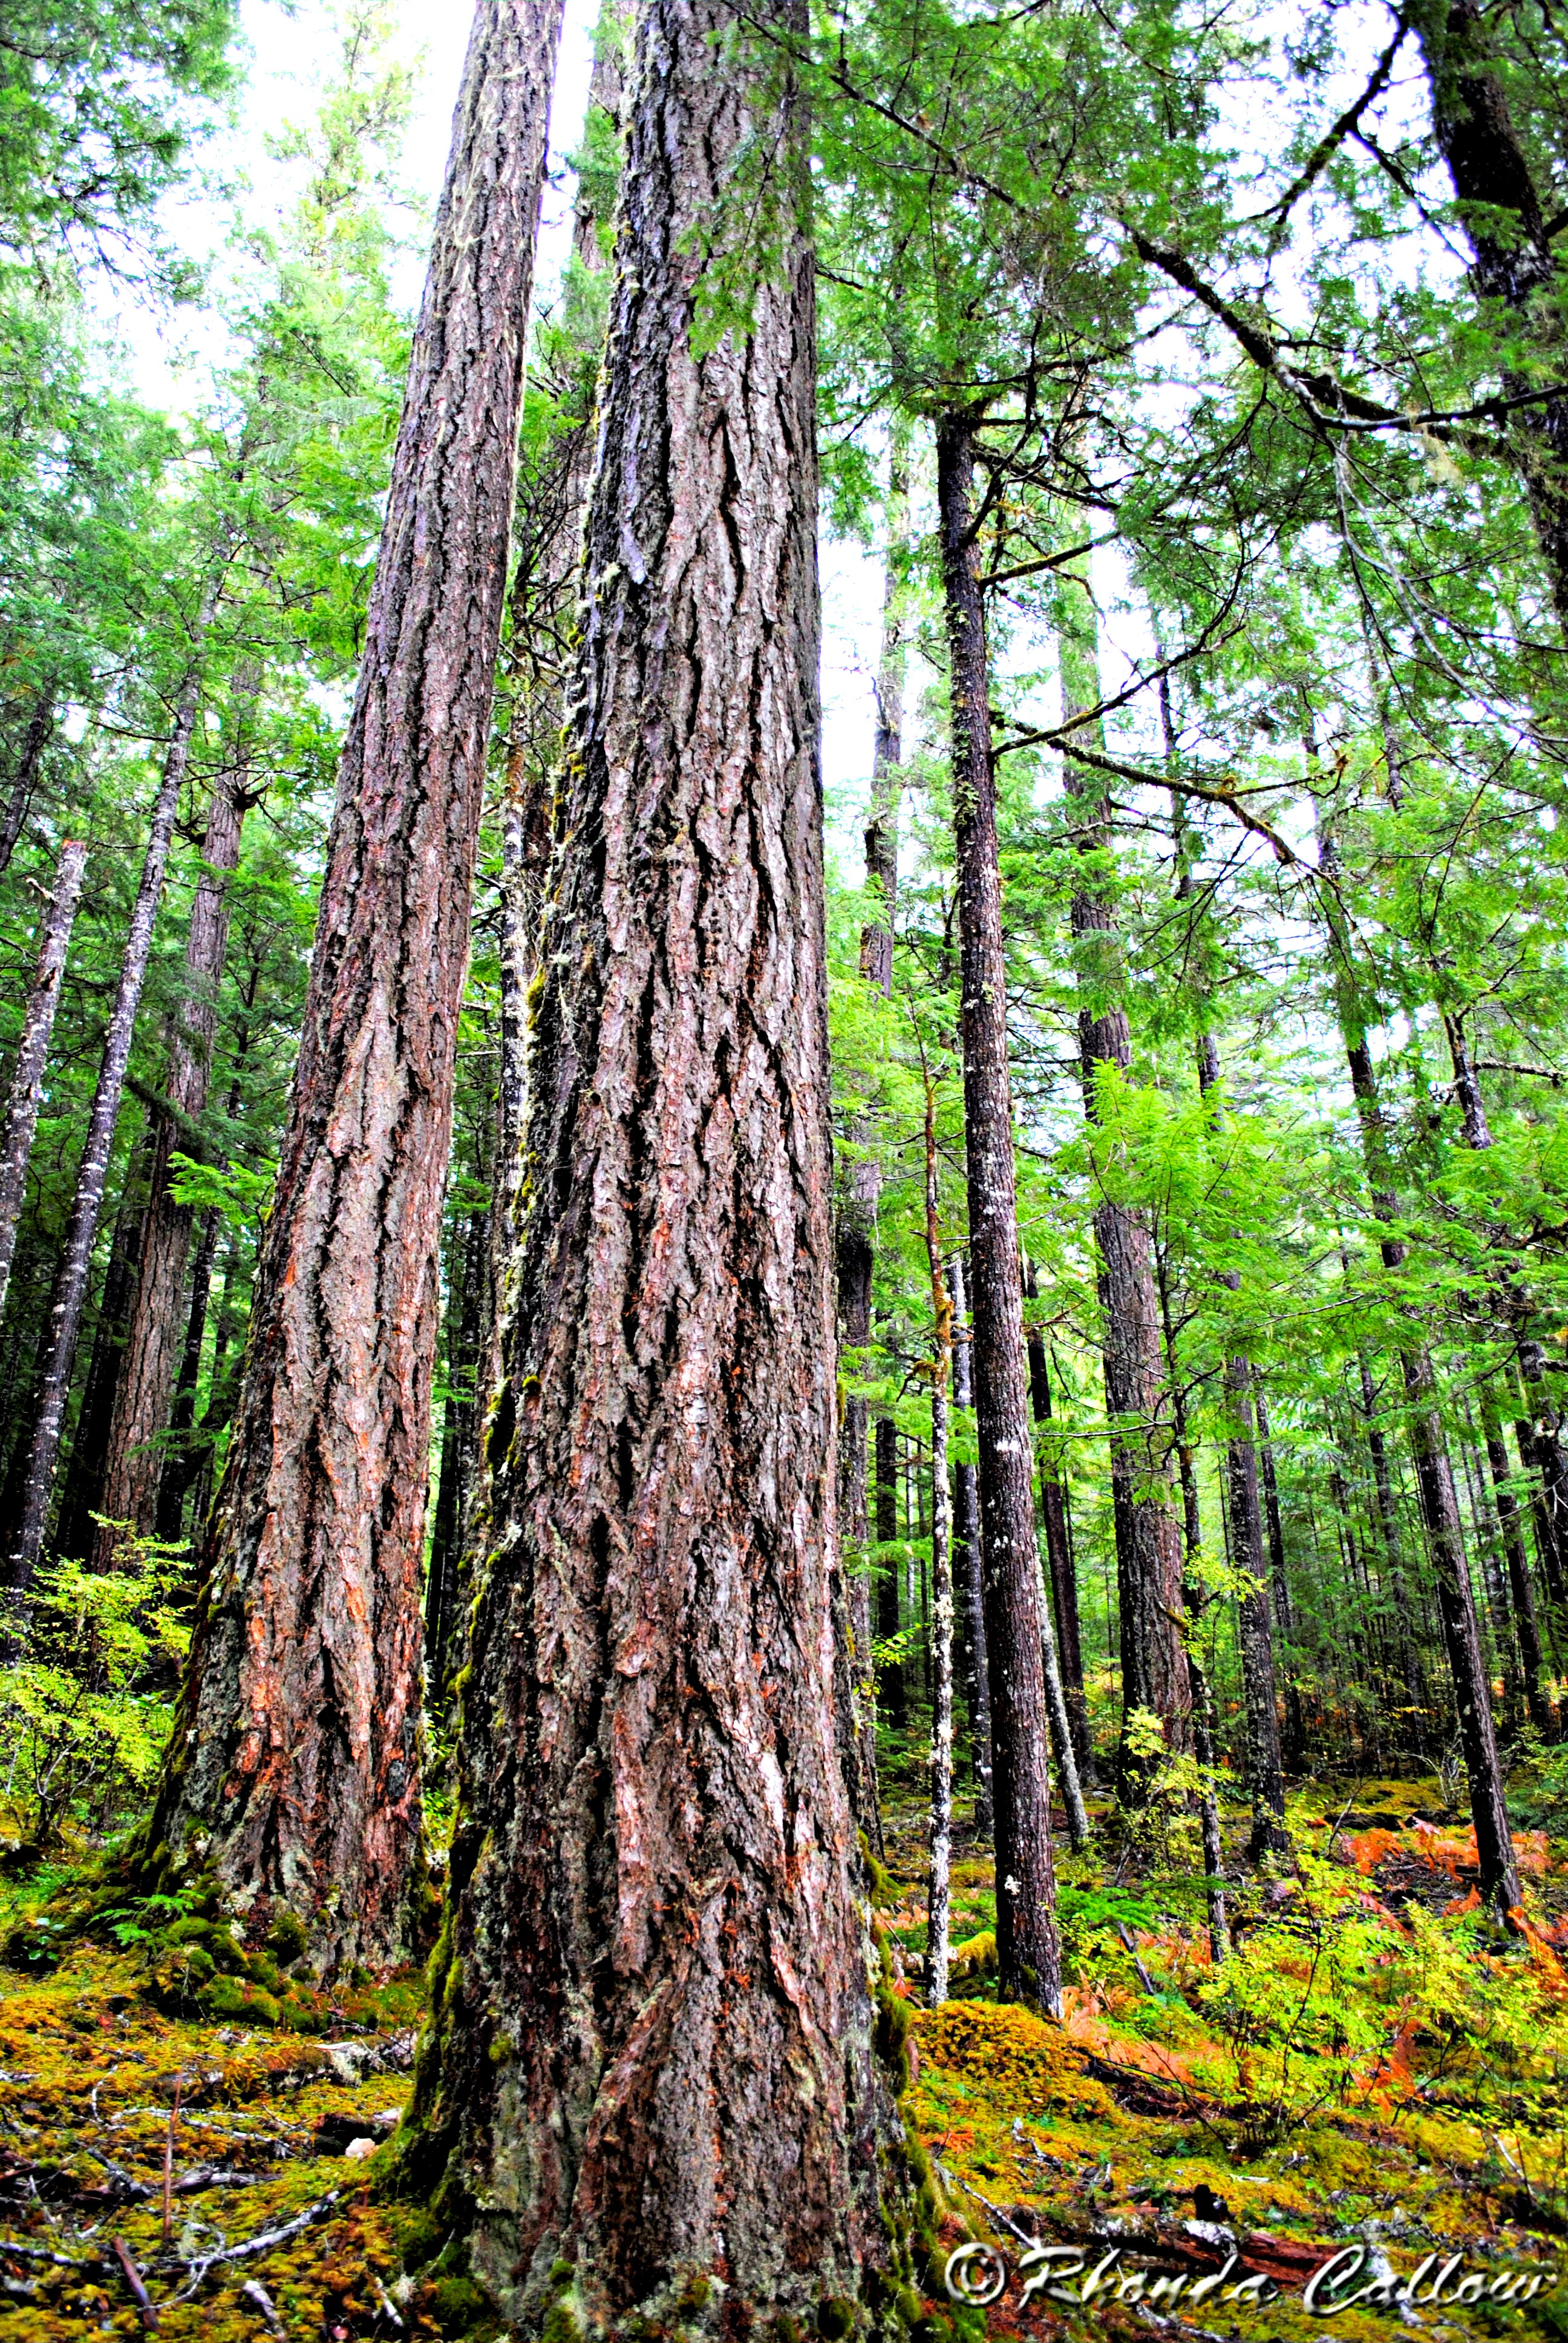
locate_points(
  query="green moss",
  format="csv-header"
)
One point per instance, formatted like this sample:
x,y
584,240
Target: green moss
x,y
458,2306
287,1936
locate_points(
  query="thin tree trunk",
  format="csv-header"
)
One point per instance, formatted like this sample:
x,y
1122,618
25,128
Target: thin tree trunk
x,y
70,1292
449,1547
173,1481
134,1463
1434,1477
1549,1459
939,1878
1059,1552
26,1090
655,2056
893,1688
29,765
295,1761
967,1564
858,1722
1027,1960
1265,1774
1537,1705
83,1473
1295,1742
1154,1671
1196,1599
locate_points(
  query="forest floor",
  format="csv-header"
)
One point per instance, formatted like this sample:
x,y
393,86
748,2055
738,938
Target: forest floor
x,y
1374,2073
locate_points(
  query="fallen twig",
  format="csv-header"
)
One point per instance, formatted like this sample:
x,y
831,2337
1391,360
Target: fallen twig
x,y
133,2280
254,2292
262,2244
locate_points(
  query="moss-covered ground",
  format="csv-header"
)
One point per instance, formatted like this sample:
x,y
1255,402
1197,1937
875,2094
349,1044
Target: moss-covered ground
x,y
1375,2068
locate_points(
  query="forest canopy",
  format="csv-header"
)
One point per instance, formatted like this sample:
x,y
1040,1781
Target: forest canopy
x,y
784,1174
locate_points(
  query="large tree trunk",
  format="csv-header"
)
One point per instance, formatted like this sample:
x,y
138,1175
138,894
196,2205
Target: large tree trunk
x,y
1154,1671
26,1090
70,1294
1028,1961
1429,1447
966,1565
133,1461
295,1760
654,2061
24,780
1511,236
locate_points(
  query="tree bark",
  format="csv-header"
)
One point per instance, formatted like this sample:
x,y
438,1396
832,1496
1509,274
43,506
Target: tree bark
x,y
29,765
1434,1476
26,1090
1059,1552
70,1294
655,2056
173,1481
449,1546
1027,1960
1511,237
294,1762
1538,1706
966,1561
893,1688
134,1461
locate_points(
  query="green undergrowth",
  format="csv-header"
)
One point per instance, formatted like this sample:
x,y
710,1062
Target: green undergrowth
x,y
1373,2068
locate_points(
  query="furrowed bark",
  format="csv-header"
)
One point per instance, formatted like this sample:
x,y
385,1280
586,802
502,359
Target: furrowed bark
x,y
294,1768
1027,1960
653,2057
26,1091
1059,1552
1429,1448
939,1894
133,1461
966,1565
1154,1673
70,1294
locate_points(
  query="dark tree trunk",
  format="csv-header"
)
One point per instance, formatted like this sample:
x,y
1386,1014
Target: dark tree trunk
x,y
1548,1460
29,765
893,1688
294,1759
1154,1671
858,1701
26,1090
83,1475
70,1292
173,1481
448,1543
939,1883
1059,1554
1387,1505
1028,1961
1245,1516
967,1564
1295,1744
1434,1476
1515,267
654,2061
133,1463
1196,1601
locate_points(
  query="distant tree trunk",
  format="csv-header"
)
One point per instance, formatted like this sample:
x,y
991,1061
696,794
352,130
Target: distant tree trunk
x,y
1027,1960
857,1206
655,2056
1196,1602
1265,1775
1511,236
1434,1476
1537,1705
134,1463
449,1546
26,1090
173,1481
939,1879
967,1559
1548,1460
1387,1505
294,1765
1295,1750
892,1690
70,1292
1059,1554
1154,1673
83,1474
29,765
